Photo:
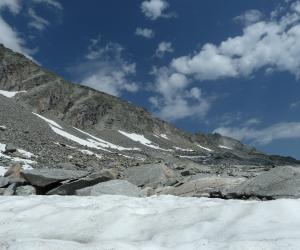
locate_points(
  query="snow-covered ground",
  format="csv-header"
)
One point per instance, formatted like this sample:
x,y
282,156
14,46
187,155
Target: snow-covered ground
x,y
165,222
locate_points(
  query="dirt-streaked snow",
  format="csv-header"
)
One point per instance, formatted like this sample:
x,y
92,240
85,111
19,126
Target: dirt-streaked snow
x,y
165,222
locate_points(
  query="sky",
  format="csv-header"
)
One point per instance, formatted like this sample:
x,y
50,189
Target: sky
x,y
230,67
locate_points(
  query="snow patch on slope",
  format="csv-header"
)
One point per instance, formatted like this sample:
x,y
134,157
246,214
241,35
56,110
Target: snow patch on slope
x,y
26,163
224,147
160,223
141,139
53,123
10,94
205,148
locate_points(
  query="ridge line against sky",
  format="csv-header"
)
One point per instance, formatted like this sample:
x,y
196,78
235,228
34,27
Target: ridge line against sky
x,y
196,88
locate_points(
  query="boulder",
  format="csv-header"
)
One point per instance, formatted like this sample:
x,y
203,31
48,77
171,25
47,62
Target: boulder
x,y
114,187
11,189
209,186
69,188
10,148
151,175
280,182
3,181
25,190
45,177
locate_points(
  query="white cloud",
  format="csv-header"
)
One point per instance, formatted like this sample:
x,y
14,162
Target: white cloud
x,y
272,45
295,104
14,6
174,99
147,33
10,38
52,3
163,48
105,69
37,22
285,130
154,9
249,17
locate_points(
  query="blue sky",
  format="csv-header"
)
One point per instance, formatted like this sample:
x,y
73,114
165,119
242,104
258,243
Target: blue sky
x,y
231,67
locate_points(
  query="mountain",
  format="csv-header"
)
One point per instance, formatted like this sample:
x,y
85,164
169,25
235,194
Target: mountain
x,y
48,122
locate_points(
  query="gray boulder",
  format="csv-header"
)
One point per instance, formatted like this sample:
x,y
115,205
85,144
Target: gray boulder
x,y
114,187
151,175
45,177
280,182
3,181
10,148
209,186
25,190
69,188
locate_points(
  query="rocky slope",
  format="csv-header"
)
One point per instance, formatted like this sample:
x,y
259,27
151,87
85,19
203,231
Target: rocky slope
x,y
51,124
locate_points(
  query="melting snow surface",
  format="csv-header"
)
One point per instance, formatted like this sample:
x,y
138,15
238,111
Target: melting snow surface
x,y
224,147
205,148
10,94
156,223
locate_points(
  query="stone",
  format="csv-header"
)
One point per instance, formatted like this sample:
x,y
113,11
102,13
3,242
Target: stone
x,y
25,190
204,187
11,189
280,182
70,188
151,175
114,187
10,148
3,181
13,174
45,177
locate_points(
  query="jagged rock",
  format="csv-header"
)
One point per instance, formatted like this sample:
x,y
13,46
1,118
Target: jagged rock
x,y
3,181
11,189
25,190
204,187
280,182
114,187
45,177
69,188
151,175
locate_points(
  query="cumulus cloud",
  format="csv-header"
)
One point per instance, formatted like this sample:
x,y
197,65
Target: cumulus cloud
x,y
146,33
284,130
155,9
270,45
174,99
163,48
105,69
